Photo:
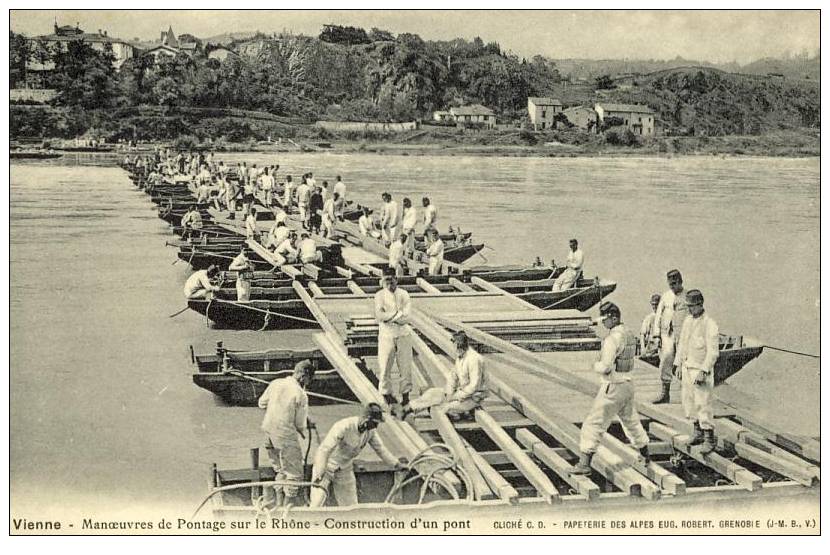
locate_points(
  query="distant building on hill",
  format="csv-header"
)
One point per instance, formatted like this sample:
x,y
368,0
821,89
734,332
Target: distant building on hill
x,y
474,113
63,35
169,45
580,116
542,110
636,117
442,115
221,53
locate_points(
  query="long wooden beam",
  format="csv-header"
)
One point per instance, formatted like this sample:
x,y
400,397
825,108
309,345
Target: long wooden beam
x,y
460,285
445,429
426,286
733,471
544,487
582,484
315,289
605,462
355,288
494,480
518,356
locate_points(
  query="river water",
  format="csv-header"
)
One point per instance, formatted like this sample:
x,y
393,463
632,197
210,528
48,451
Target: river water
x,y
105,419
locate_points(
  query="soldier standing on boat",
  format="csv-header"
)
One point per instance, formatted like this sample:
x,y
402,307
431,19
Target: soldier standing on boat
x,y
435,251
244,269
573,270
697,352
286,416
334,460
648,325
430,214
668,323
616,393
392,310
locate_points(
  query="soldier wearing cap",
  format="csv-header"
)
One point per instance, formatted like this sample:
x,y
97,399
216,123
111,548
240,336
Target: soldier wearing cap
x,y
648,324
665,332
392,310
616,393
697,352
334,461
573,269
286,416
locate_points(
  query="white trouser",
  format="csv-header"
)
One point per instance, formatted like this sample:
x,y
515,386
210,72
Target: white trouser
x,y
613,399
389,234
667,351
328,226
342,483
697,398
286,458
409,248
303,212
396,350
243,290
435,264
566,280
436,396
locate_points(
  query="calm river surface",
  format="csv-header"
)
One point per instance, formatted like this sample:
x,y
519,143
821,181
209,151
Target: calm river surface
x,y
103,411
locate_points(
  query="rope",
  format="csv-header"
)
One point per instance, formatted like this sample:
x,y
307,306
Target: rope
x,y
446,462
280,314
243,375
269,483
791,352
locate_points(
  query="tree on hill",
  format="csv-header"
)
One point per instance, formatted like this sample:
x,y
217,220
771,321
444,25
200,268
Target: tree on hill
x,y
339,34
84,76
603,82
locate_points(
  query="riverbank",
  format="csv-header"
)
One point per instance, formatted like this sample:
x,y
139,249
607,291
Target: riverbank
x,y
238,131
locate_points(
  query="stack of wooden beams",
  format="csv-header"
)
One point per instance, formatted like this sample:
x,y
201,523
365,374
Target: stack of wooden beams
x,y
539,332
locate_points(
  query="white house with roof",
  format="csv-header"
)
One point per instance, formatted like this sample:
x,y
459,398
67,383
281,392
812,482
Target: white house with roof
x,y
63,35
636,117
169,45
474,113
542,110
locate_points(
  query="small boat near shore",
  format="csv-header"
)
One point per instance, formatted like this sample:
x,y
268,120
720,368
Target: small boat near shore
x,y
33,154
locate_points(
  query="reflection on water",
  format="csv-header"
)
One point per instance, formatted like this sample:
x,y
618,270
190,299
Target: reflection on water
x,y
101,394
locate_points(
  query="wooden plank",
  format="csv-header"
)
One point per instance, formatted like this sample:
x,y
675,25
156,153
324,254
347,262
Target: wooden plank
x,y
315,289
733,434
806,447
776,464
653,471
426,286
494,480
582,484
460,285
392,431
487,286
364,269
480,488
355,288
732,471
315,309
607,463
518,357
343,272
517,456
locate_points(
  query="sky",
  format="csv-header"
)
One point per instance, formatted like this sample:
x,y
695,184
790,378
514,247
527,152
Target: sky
x,y
714,36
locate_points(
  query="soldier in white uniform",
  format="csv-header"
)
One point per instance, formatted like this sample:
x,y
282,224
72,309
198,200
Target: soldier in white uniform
x,y
466,386
435,251
697,352
665,331
334,461
648,325
409,220
616,393
244,269
389,218
392,310
286,416
576,259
